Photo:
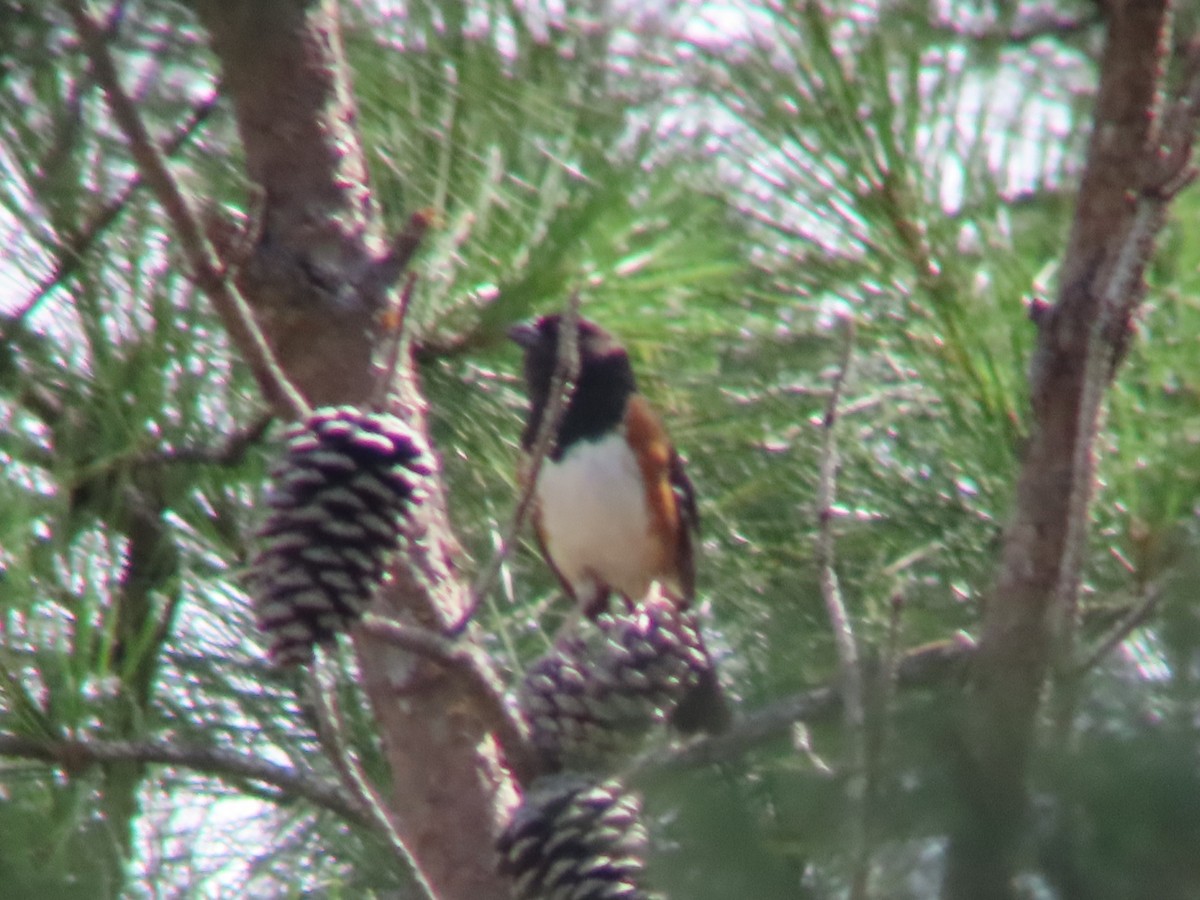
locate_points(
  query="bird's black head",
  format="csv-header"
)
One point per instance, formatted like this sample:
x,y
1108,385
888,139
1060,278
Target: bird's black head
x,y
604,383
539,340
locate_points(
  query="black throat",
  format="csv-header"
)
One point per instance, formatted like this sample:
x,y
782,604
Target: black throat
x,y
596,406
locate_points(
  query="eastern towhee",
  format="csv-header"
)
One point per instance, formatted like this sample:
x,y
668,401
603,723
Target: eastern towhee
x,y
614,510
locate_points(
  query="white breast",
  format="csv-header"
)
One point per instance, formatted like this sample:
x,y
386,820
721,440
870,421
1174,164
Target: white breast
x,y
594,517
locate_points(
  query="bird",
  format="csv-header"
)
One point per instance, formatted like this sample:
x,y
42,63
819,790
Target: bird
x,y
614,511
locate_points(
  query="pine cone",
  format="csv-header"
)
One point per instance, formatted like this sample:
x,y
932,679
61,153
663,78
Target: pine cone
x,y
575,838
593,699
340,503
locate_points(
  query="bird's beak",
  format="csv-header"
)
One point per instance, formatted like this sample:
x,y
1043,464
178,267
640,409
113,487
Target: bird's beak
x,y
524,334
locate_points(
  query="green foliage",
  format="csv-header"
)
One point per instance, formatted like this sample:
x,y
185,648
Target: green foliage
x,y
724,201
54,844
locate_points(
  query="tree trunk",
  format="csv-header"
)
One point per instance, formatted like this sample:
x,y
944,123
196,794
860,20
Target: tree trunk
x,y
310,282
1031,606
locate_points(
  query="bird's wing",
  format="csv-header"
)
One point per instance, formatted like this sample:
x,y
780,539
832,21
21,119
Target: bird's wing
x,y
689,524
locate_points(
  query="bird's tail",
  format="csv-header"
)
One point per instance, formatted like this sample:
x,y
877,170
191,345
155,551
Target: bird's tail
x,y
706,706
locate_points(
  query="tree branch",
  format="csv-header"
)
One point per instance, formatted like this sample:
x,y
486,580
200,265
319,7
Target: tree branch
x,y
929,665
1132,620
229,452
397,338
331,730
849,671
76,755
843,630
1029,615
1021,33
385,271
206,267
1119,290
477,676
70,255
285,72
566,369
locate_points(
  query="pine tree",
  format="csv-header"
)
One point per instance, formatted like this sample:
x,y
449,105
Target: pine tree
x,y
871,260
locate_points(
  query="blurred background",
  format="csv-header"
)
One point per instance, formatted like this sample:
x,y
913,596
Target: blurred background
x,y
728,185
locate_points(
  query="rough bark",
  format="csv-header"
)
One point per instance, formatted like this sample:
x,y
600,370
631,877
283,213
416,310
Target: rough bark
x,y
312,279
318,231
1081,339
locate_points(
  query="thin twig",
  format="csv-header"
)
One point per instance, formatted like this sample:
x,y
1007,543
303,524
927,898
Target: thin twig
x,y
566,370
930,665
1021,32
889,664
417,640
229,452
331,730
1133,620
74,755
877,732
835,607
850,671
207,270
382,275
395,322
71,254
475,672
237,240
387,269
